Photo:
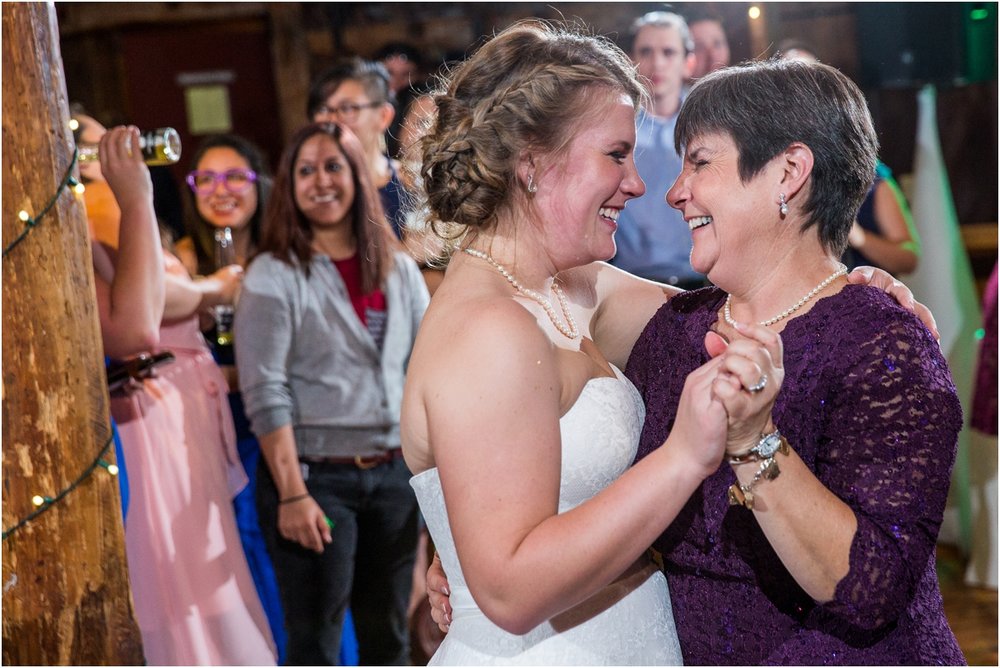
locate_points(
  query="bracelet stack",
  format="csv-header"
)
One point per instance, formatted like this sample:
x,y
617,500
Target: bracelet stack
x,y
765,451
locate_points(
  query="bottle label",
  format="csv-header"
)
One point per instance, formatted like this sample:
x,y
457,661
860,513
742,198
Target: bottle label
x,y
224,324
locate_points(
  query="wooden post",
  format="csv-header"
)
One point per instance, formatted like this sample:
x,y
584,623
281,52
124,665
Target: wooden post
x,y
66,597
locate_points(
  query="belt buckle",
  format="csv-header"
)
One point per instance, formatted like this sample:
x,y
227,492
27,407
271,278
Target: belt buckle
x,y
360,462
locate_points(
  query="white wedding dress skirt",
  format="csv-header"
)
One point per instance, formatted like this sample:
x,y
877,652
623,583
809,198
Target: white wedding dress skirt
x,y
629,622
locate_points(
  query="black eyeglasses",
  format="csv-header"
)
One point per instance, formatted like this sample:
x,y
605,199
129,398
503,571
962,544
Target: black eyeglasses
x,y
347,112
236,181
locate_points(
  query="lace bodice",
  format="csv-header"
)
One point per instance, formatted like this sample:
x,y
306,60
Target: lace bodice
x,y
600,434
868,404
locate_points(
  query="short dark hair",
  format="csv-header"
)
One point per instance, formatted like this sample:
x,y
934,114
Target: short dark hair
x,y
202,232
403,49
699,13
766,106
371,75
288,234
661,20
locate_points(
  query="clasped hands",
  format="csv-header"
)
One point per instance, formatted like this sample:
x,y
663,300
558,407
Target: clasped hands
x,y
726,403
749,376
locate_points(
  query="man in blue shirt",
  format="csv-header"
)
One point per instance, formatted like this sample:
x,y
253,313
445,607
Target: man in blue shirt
x,y
653,240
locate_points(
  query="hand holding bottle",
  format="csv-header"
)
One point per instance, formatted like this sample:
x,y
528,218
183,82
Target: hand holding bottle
x,y
126,174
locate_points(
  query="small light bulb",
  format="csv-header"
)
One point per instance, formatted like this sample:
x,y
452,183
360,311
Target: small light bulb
x,y
74,124
112,469
23,215
79,188
38,500
754,12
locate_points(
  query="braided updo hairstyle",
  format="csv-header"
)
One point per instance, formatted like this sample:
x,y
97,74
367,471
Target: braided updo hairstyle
x,y
527,88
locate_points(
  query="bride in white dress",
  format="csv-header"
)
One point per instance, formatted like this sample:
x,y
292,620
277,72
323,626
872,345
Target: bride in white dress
x,y
516,420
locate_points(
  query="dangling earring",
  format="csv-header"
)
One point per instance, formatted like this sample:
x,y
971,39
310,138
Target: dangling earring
x,y
782,205
532,186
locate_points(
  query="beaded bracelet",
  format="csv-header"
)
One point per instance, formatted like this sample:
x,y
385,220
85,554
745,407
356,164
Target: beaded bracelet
x,y
293,499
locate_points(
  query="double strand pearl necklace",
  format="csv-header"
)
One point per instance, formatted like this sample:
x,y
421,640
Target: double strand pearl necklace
x,y
569,329
787,312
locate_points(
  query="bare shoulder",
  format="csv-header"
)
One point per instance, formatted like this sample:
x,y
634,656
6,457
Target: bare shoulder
x,y
622,304
479,359
466,333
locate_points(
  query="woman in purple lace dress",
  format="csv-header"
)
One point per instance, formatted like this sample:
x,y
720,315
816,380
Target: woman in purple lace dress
x,y
817,545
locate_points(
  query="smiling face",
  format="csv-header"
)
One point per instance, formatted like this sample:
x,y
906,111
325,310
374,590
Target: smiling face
x,y
323,182
220,207
732,223
582,193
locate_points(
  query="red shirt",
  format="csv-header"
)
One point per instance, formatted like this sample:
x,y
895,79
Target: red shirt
x,y
371,307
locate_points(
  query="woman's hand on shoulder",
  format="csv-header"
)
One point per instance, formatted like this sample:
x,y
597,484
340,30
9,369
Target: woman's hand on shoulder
x,y
883,280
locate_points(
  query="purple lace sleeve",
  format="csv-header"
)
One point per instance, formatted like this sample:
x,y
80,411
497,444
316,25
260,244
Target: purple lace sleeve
x,y
892,427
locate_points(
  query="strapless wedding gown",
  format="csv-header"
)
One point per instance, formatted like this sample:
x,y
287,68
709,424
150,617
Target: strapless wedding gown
x,y
629,622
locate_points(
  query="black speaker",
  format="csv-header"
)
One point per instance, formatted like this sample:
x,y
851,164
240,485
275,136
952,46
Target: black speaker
x,y
907,44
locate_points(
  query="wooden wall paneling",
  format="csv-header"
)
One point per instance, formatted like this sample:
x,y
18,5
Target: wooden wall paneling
x,y
290,60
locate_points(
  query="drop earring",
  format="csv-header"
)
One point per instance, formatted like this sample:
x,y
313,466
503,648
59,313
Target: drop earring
x,y
532,186
782,205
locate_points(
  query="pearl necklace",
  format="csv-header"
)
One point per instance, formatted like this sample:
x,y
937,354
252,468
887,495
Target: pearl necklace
x,y
787,312
569,330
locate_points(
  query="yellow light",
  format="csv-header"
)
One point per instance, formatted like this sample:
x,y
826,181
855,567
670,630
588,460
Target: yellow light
x,y
754,12
79,188
38,500
23,215
74,124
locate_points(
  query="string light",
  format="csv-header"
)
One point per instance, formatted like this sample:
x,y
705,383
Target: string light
x,y
25,217
43,503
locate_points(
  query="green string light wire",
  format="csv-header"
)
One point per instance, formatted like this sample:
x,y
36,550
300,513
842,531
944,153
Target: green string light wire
x,y
61,495
30,223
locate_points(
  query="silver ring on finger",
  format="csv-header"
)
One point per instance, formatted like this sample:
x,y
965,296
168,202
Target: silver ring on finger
x,y
759,385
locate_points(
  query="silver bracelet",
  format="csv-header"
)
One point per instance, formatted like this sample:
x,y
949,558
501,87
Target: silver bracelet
x,y
742,495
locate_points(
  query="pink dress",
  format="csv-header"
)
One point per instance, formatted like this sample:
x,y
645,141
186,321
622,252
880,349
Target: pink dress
x,y
195,601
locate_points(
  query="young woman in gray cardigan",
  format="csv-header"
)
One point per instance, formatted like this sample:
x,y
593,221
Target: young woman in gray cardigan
x,y
324,329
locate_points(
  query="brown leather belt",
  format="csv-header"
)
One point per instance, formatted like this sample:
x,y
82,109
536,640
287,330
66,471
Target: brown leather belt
x,y
357,460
